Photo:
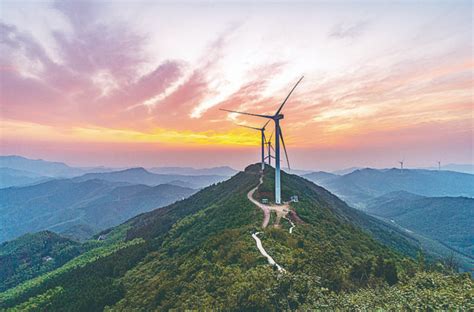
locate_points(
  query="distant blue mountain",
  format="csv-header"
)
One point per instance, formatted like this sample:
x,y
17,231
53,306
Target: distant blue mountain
x,y
38,166
13,177
465,168
346,170
362,185
221,171
142,176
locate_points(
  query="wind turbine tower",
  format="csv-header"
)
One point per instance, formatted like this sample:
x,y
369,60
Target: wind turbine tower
x,y
262,131
278,136
439,165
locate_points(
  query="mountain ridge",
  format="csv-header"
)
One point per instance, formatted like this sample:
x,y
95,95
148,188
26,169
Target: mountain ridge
x,y
39,166
140,175
220,170
362,185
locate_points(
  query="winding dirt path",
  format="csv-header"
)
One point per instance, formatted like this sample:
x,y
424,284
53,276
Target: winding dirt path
x,y
292,225
265,254
265,209
281,210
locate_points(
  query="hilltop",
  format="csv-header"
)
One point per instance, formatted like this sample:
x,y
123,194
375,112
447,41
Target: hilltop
x,y
199,253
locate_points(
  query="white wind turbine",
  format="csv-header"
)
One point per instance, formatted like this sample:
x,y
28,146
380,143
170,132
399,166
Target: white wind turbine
x,y
269,150
262,131
278,136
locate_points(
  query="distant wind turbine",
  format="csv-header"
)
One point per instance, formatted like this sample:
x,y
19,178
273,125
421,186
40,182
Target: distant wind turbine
x,y
262,131
439,165
278,136
401,164
269,150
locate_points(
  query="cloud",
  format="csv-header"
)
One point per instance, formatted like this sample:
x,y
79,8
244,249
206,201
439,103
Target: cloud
x,y
348,30
95,45
98,78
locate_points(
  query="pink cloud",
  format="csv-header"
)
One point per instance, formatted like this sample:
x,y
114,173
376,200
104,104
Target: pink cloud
x,y
66,92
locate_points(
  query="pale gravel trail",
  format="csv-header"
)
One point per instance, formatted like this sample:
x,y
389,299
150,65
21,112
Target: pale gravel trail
x,y
265,254
292,225
266,210
281,211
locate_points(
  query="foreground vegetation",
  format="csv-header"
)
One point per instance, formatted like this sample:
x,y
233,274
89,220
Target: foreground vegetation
x,y
199,254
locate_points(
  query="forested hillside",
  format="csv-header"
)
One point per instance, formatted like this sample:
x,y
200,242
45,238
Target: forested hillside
x,y
78,209
33,254
199,253
446,219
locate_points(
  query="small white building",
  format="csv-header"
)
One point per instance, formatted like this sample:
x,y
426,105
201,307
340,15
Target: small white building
x,y
264,200
294,199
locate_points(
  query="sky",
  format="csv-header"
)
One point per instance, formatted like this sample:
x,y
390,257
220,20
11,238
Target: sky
x,y
140,83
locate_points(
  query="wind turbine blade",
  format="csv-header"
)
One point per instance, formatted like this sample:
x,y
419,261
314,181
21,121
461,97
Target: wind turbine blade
x,y
281,106
284,148
265,125
270,139
254,128
243,113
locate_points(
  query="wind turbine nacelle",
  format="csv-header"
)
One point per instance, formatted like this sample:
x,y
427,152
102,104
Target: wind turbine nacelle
x,y
279,116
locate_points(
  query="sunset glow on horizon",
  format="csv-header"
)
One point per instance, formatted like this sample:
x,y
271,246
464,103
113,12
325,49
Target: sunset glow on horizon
x,y
140,83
